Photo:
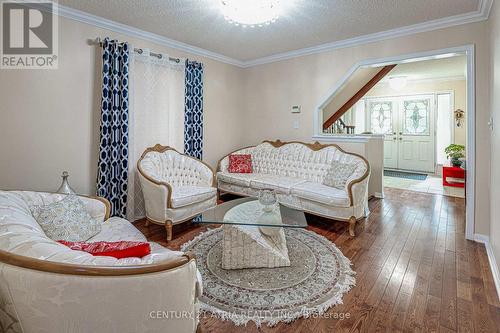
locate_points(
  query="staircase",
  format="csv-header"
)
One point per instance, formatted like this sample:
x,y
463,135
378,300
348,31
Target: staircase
x,y
334,124
339,127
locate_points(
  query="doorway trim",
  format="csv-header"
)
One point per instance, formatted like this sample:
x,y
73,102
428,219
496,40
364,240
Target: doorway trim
x,y
469,51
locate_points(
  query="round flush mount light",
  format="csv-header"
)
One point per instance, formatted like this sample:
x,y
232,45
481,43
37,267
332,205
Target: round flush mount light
x,y
251,13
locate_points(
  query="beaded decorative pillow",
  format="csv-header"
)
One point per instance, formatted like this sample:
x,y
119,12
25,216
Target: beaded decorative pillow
x,y
338,174
66,220
240,163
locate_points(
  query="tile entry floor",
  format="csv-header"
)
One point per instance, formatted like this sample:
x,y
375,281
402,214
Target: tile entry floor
x,y
433,184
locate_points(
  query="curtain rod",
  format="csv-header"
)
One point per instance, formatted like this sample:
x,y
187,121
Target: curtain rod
x,y
99,42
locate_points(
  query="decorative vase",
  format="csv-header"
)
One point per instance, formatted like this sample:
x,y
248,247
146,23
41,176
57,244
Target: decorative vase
x,y
267,198
65,188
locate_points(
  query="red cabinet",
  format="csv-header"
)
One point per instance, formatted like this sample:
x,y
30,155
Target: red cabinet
x,y
453,172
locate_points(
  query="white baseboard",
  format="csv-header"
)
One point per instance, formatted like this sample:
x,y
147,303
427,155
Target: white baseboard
x,y
491,258
480,238
378,195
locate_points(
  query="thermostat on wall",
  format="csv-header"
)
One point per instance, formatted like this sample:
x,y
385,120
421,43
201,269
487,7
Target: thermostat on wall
x,y
295,108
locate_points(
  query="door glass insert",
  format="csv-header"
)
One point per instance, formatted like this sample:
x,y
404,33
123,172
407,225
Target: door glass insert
x,y
381,117
416,117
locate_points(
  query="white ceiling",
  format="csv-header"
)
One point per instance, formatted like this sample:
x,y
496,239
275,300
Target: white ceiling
x,y
307,24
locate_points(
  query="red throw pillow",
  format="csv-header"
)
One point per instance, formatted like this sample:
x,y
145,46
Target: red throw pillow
x,y
119,250
240,163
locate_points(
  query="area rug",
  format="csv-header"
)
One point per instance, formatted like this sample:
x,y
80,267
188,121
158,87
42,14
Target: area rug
x,y
406,175
317,279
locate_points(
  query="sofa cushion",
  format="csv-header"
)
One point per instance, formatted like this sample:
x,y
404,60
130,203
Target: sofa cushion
x,y
116,229
66,220
241,179
322,193
187,195
338,174
278,183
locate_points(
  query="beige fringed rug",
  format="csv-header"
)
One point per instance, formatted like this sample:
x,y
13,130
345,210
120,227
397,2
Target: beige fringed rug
x,y
317,279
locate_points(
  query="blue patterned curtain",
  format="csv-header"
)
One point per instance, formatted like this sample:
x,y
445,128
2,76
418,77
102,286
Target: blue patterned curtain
x,y
113,149
193,110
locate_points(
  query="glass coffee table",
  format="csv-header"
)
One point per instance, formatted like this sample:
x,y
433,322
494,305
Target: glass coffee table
x,y
253,234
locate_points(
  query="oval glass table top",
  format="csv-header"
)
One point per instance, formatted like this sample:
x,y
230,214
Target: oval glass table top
x,y
248,211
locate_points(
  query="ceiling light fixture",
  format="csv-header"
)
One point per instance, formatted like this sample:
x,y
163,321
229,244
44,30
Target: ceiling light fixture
x,y
251,13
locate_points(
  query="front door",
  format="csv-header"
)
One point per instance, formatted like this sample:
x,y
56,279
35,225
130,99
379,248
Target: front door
x,y
408,125
416,134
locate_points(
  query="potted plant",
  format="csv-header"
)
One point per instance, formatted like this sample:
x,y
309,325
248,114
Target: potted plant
x,y
455,153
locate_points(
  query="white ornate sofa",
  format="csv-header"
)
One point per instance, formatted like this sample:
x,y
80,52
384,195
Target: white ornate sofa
x,y
296,171
176,187
47,287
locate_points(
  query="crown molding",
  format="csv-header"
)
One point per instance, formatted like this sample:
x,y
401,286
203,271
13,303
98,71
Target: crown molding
x,y
481,14
101,22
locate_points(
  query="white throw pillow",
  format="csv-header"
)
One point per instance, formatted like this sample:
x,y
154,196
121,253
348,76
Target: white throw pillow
x,y
338,174
66,220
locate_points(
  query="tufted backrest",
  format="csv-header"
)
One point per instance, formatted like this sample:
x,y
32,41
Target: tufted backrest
x,y
298,160
174,168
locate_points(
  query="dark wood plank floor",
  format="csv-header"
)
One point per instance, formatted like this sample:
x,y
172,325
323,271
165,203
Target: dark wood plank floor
x,y
415,270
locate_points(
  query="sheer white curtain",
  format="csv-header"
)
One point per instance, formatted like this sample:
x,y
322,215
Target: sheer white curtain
x,y
156,115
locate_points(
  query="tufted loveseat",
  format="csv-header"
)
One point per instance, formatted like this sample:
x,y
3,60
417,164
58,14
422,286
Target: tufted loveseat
x,y
47,287
296,171
176,187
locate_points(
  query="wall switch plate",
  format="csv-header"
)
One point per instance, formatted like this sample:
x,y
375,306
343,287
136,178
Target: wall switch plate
x,y
296,124
490,123
295,108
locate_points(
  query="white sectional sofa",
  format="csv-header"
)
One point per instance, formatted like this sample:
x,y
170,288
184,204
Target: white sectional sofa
x,y
296,171
47,287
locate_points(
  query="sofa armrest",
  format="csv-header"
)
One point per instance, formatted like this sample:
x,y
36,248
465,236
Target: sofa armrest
x,y
155,291
157,197
223,164
357,184
359,191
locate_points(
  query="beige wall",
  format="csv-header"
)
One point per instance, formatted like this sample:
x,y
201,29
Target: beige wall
x,y
50,118
495,135
271,89
459,88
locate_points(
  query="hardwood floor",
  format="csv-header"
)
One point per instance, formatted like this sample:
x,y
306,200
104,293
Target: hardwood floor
x,y
415,270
